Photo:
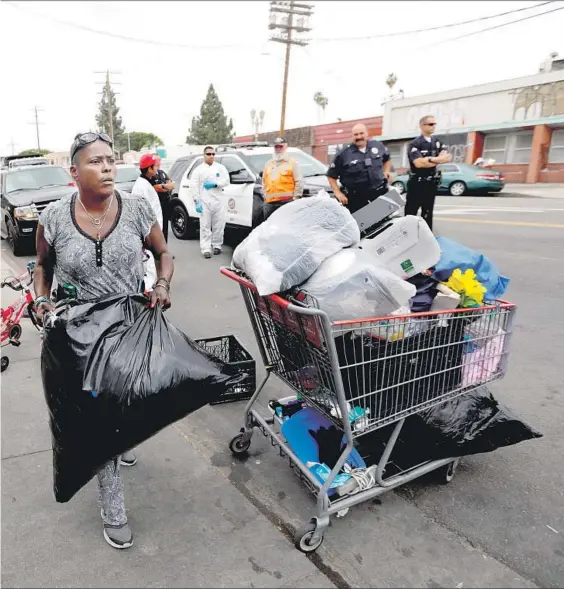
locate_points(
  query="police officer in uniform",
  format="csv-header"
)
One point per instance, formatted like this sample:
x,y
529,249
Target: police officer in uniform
x,y
425,153
364,169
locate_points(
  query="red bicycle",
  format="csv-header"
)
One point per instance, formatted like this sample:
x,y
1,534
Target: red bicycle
x,y
12,315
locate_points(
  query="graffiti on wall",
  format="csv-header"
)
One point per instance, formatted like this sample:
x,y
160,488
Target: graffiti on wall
x,y
450,114
535,102
457,146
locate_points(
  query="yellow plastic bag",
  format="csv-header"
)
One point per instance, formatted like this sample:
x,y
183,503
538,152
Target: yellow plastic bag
x,y
470,289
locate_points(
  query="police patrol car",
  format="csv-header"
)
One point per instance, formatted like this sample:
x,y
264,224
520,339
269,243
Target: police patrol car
x,y
243,198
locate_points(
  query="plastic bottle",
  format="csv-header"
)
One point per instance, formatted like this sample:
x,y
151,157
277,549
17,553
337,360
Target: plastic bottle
x,y
322,472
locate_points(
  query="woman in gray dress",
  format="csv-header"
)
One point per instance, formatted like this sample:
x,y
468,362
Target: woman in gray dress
x,y
93,240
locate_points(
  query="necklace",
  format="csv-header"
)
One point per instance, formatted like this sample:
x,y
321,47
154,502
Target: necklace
x,y
98,222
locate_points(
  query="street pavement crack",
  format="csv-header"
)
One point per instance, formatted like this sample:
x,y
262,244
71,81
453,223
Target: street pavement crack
x,y
287,529
26,454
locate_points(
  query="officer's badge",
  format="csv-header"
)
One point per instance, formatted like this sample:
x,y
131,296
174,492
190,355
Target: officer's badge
x,y
438,144
374,150
414,149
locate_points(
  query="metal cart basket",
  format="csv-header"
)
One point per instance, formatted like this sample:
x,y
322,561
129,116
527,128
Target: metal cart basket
x,y
363,375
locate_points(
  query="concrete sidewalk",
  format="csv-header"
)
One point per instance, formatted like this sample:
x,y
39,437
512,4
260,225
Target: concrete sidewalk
x,y
192,527
538,190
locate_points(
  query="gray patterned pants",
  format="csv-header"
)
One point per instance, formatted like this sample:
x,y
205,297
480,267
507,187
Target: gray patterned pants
x,y
110,487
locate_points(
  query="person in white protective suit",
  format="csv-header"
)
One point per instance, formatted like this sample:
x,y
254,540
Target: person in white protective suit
x,y
144,188
209,180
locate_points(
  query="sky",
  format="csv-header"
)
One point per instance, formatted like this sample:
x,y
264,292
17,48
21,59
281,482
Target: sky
x,y
183,46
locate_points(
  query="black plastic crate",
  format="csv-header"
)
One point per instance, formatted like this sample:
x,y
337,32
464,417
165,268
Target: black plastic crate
x,y
230,350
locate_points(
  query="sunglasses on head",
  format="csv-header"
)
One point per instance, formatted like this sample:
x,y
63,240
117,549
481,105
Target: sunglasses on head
x,y
83,139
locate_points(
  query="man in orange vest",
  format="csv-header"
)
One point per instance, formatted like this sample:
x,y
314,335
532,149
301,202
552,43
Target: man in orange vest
x,y
282,179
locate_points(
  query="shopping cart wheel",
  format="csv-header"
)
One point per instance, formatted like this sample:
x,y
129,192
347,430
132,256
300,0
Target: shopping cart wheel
x,y
238,446
303,538
446,473
5,362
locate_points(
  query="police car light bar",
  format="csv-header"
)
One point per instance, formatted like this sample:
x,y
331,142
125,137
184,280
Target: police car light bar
x,y
226,146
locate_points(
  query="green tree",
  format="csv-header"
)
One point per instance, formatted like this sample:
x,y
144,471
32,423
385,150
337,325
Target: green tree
x,y
102,118
211,126
34,151
138,140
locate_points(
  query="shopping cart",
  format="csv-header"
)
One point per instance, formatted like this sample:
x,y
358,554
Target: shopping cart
x,y
363,375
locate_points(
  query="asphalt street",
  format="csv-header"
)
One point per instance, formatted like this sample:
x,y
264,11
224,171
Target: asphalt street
x,y
204,518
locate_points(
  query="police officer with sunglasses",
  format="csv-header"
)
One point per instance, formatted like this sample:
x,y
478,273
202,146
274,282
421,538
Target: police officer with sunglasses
x,y
425,153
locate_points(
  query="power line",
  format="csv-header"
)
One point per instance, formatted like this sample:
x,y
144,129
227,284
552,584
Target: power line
x,y
428,29
439,42
126,37
488,29
157,42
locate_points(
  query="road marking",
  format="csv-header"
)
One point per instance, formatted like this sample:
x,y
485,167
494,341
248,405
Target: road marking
x,y
494,208
492,222
475,210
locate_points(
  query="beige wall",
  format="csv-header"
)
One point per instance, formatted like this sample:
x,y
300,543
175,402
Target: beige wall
x,y
522,99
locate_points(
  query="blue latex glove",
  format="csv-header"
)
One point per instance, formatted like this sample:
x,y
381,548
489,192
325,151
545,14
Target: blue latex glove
x,y
208,185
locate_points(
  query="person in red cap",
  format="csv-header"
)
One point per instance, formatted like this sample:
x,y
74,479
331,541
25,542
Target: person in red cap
x,y
143,185
163,185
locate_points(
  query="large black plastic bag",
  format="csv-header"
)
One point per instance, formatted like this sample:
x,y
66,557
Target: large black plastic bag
x,y
115,373
472,423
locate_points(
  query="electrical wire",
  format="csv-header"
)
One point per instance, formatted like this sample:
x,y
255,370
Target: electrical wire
x,y
158,42
132,39
428,29
434,43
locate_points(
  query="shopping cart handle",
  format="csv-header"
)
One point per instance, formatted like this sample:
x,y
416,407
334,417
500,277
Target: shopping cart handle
x,y
277,299
236,277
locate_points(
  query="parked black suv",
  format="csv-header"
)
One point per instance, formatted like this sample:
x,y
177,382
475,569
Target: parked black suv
x,y
24,194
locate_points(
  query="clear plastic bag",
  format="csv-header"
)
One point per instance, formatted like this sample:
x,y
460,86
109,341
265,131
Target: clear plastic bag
x,y
291,244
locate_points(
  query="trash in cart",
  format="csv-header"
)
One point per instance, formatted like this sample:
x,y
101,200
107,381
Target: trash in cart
x,y
291,244
372,353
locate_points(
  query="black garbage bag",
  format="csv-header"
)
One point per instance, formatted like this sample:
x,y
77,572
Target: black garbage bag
x,y
403,373
472,423
115,373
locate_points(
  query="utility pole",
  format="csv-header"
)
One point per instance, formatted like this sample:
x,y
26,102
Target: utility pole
x,y
295,19
13,146
107,90
37,123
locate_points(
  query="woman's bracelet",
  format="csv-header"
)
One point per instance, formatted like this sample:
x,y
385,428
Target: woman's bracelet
x,y
41,301
162,285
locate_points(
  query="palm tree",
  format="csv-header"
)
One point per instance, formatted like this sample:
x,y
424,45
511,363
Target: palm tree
x,y
321,101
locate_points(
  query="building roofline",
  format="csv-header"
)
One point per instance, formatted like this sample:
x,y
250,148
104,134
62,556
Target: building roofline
x,y
478,89
556,121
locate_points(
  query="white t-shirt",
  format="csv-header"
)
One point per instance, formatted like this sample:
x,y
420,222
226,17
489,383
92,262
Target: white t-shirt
x,y
143,187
